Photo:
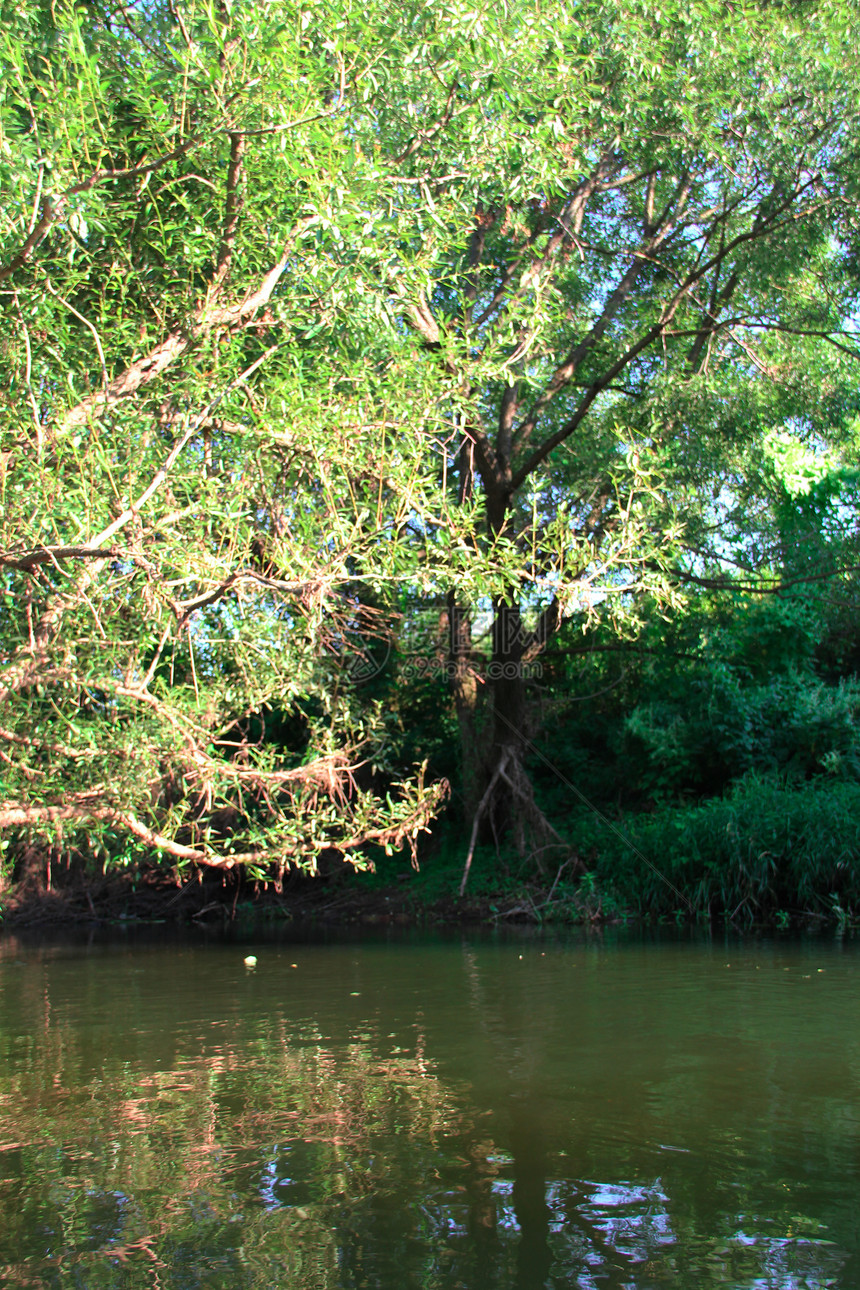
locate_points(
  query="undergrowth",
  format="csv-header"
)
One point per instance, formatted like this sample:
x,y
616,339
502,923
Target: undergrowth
x,y
769,851
766,850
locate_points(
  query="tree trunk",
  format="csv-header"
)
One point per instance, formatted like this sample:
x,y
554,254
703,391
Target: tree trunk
x,y
462,675
509,736
464,687
506,809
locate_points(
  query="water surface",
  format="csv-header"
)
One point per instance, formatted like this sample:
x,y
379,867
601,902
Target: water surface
x,y
460,1112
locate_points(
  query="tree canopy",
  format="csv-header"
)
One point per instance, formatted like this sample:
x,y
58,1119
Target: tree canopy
x,y
319,314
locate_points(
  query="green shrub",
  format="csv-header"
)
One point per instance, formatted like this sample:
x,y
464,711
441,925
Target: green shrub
x,y
768,845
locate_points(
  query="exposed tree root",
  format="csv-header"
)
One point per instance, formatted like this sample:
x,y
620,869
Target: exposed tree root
x,y
533,834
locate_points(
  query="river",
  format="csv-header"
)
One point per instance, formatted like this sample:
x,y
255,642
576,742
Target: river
x,y
462,1111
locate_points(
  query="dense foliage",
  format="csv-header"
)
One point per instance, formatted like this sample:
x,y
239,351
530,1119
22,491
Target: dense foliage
x,y
375,380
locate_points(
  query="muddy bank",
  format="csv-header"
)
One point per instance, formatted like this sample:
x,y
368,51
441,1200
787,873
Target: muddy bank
x,y
75,897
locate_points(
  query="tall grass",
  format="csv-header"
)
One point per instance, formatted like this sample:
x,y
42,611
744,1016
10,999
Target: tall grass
x,y
767,846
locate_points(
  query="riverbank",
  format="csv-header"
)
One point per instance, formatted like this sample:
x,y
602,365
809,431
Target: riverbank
x,y
73,891
44,896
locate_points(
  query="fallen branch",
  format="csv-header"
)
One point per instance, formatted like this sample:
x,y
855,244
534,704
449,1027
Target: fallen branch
x,y
482,806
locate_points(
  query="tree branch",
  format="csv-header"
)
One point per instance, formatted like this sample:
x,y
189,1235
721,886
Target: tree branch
x,y
25,561
565,372
232,210
761,228
52,208
25,666
569,224
149,368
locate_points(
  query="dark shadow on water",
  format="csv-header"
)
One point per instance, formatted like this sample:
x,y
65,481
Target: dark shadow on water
x,y
534,1258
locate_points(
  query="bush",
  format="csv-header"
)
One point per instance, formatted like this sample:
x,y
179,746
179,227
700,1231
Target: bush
x,y
768,846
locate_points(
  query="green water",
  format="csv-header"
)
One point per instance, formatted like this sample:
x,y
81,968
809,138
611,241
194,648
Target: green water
x,y
449,1113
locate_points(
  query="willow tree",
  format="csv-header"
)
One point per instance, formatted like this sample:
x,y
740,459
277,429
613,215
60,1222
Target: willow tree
x,y
638,228
189,479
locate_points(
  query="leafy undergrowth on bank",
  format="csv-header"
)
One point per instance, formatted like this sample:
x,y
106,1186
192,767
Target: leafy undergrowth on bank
x,y
766,852
769,852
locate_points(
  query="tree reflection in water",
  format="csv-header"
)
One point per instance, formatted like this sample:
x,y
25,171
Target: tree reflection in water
x,y
378,1143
